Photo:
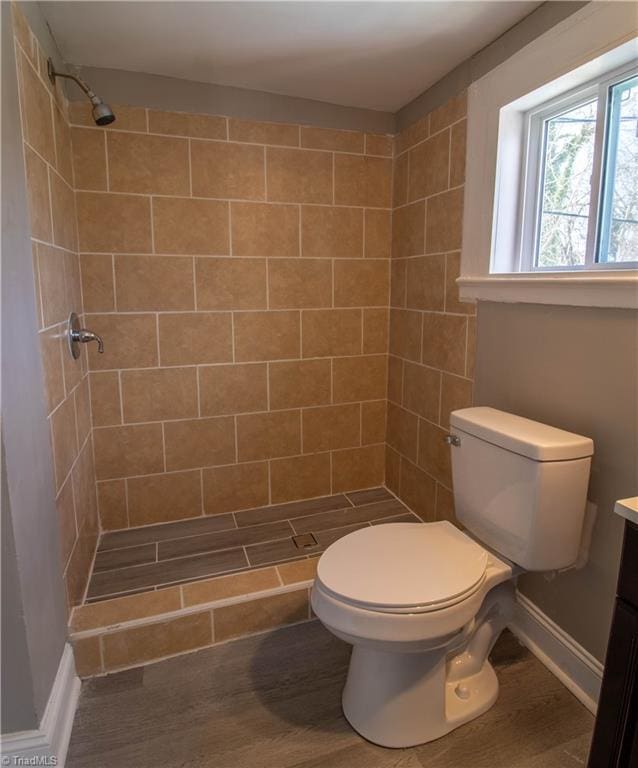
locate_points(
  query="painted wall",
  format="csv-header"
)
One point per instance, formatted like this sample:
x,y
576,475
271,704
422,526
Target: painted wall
x,y
574,368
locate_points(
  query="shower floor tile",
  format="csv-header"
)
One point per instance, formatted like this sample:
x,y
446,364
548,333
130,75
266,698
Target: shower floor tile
x,y
155,556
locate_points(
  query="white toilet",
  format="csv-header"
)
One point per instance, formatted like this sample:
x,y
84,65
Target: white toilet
x,y
423,604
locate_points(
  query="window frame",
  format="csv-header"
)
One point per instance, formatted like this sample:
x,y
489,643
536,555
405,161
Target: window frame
x,y
532,175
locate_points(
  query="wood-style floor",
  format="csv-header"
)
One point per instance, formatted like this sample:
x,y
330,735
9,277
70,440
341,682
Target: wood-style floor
x,y
154,556
273,701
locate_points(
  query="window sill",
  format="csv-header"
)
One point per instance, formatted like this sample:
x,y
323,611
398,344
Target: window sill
x,y
566,288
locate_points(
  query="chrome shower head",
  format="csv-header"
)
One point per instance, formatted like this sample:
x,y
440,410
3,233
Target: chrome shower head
x,y
102,113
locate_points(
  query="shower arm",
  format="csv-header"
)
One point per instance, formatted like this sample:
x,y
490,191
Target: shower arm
x,y
95,100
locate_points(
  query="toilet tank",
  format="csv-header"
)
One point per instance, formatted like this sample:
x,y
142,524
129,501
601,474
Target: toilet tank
x,y
520,486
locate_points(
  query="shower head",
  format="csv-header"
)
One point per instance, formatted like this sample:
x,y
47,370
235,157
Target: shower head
x,y
102,113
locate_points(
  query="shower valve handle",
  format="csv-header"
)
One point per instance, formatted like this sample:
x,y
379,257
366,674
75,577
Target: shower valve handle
x,y
77,336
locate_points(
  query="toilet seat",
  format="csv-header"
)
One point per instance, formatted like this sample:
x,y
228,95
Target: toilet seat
x,y
403,568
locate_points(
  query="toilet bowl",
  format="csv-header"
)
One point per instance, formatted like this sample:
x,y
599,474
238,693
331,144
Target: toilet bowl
x,y
423,603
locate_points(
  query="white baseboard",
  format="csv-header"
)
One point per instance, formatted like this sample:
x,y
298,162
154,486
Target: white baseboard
x,y
576,668
51,739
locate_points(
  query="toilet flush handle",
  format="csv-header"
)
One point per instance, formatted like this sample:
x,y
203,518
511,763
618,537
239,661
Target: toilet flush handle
x,y
452,440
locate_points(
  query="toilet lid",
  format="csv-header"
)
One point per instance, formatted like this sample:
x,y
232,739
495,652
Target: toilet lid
x,y
403,567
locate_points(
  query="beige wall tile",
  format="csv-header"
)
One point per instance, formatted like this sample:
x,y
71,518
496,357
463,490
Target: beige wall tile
x,y
51,350
231,283
400,180
187,226
378,234
89,158
328,232
444,222
408,226
111,499
23,34
105,398
357,468
359,378
232,585
417,490
259,615
301,477
224,170
73,369
110,223
38,196
402,427
160,393
330,427
238,486
452,272
160,498
153,641
268,435
266,336
37,112
457,153
455,393
126,451
375,331
87,656
361,283
392,469
55,307
444,342
413,134
190,338
110,612
79,566
445,505
279,134
434,452
363,181
84,492
299,383
63,439
298,570
395,379
299,176
147,164
429,166
373,417
83,409
154,283
233,389
264,229
199,443
130,341
426,282
331,139
405,333
453,109
128,118
63,152
36,279
328,332
73,280
98,291
398,282
187,124
63,213
378,144
422,390
66,521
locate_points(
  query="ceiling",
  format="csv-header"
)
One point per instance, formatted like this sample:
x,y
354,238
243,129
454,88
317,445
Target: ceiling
x,y
377,55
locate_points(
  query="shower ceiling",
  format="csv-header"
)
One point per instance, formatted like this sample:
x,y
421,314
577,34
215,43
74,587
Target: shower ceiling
x,y
378,55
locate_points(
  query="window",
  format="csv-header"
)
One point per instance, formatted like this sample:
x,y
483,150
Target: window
x,y
579,202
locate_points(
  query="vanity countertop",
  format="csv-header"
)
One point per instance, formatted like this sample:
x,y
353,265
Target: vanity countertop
x,y
628,508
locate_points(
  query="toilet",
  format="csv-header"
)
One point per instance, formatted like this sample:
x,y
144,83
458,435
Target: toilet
x,y
423,604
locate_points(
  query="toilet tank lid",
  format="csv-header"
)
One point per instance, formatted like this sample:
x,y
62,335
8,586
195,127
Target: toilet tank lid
x,y
537,441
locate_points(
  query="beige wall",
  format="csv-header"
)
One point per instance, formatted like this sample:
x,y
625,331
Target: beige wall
x,y
575,368
49,175
239,274
431,333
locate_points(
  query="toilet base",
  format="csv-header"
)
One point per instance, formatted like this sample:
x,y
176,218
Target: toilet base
x,y
403,699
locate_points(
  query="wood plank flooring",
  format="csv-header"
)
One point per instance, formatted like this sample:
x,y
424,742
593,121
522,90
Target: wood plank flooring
x,y
274,701
142,559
